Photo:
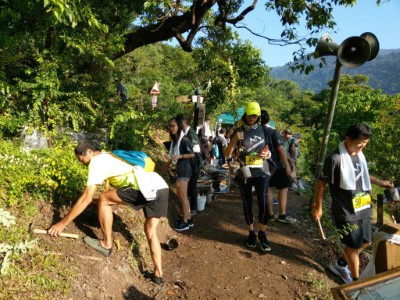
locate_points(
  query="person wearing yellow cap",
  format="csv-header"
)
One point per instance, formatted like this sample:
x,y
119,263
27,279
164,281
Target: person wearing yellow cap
x,y
252,154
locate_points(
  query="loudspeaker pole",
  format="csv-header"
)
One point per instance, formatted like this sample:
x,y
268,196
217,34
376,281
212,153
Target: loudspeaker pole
x,y
352,53
328,124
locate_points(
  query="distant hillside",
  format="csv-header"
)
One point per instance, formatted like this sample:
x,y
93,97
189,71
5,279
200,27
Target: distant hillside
x,y
383,73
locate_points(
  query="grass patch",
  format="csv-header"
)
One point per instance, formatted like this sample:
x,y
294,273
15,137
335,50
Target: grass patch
x,y
318,288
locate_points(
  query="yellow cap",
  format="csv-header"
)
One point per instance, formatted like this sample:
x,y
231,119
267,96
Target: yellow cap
x,y
253,108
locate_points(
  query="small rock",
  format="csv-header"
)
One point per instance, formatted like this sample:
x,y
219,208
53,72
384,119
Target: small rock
x,y
261,296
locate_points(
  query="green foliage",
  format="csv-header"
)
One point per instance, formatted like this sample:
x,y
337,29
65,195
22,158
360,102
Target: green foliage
x,y
38,174
356,103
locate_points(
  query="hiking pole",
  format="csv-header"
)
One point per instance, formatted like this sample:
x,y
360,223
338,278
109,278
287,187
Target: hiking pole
x,y
44,231
320,230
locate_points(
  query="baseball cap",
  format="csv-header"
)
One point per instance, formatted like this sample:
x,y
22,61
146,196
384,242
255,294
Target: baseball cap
x,y
253,108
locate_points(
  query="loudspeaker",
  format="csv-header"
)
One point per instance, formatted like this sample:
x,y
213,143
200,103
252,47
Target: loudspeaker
x,y
373,43
325,46
354,52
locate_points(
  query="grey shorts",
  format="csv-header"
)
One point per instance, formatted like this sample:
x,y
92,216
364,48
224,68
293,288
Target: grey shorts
x,y
152,209
355,233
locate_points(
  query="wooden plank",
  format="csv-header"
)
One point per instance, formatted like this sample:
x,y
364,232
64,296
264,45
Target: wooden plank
x,y
340,292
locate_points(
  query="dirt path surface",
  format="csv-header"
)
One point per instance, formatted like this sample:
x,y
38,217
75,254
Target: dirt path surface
x,y
211,261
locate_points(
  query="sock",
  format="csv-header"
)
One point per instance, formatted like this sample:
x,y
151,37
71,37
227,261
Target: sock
x,y
342,262
355,279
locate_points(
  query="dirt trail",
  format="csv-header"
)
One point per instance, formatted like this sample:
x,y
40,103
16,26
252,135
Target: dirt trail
x,y
211,261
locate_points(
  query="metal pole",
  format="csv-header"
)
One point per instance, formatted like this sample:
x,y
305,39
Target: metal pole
x,y
196,115
379,211
196,109
328,124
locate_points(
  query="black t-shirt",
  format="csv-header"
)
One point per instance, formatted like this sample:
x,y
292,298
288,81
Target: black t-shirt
x,y
185,147
342,205
194,140
253,142
274,140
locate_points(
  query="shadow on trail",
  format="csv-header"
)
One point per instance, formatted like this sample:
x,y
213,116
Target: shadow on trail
x,y
132,293
222,221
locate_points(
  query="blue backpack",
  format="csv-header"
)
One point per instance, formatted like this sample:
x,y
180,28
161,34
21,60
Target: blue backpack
x,y
135,158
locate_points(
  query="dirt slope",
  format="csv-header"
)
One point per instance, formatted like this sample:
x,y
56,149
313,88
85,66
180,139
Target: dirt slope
x,y
211,261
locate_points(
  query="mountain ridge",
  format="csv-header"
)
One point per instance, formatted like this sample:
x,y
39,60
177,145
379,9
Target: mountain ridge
x,y
383,72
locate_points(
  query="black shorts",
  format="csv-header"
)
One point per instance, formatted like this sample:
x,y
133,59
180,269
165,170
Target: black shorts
x,y
280,180
355,233
152,209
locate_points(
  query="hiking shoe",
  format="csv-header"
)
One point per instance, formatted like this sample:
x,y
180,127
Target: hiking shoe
x,y
191,222
270,219
262,237
181,226
157,280
287,219
251,240
341,272
95,244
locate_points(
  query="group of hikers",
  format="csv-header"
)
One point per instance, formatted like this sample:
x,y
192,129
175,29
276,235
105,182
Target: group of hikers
x,y
264,164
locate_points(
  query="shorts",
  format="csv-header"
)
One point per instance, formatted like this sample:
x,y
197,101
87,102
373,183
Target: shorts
x,y
280,180
183,170
152,209
358,236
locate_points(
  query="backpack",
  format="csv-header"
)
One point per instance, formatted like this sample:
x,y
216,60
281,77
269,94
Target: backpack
x,y
215,151
268,141
135,158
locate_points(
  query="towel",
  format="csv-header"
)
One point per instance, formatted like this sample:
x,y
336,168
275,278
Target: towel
x,y
174,148
149,183
347,175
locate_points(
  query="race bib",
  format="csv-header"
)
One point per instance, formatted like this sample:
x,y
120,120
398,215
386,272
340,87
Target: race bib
x,y
254,161
361,202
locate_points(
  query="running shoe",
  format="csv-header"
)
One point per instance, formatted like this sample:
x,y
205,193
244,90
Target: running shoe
x,y
181,226
287,219
251,240
342,272
191,222
262,237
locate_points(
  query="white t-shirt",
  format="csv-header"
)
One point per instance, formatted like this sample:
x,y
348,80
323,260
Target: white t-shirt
x,y
105,166
120,174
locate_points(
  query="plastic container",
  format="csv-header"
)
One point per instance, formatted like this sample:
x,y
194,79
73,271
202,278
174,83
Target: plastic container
x,y
392,194
201,202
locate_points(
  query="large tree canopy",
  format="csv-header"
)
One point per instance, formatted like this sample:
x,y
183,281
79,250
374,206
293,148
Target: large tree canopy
x,y
58,57
146,22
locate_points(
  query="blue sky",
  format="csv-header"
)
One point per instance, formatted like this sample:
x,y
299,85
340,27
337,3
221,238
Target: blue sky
x,y
365,16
